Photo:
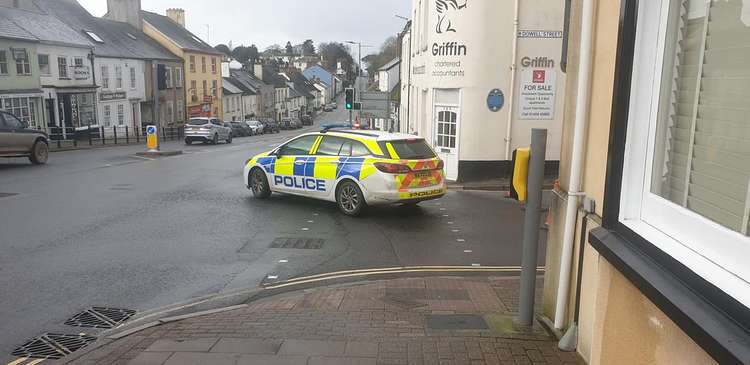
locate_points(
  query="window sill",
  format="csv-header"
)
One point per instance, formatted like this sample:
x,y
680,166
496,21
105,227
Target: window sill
x,y
675,291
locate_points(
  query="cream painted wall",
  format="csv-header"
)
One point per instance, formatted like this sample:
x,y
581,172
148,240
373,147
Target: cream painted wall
x,y
618,324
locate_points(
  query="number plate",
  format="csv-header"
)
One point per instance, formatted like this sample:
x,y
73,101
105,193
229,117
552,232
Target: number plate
x,y
422,174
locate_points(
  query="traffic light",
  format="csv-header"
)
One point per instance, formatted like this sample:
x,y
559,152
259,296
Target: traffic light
x,y
349,98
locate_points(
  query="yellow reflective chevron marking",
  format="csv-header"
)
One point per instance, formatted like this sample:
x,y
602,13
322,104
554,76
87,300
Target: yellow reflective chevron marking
x,y
392,151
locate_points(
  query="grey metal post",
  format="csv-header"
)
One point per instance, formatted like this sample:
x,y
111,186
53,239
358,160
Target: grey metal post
x,y
531,226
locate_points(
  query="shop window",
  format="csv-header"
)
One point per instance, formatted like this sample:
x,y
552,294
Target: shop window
x,y
62,67
120,114
132,78
23,108
3,63
105,77
23,66
688,190
118,77
44,68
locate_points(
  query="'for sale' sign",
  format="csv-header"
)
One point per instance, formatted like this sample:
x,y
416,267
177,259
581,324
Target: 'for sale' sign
x,y
538,89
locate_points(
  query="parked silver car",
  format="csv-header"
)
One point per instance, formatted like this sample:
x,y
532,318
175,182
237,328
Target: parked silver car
x,y
256,126
17,140
210,130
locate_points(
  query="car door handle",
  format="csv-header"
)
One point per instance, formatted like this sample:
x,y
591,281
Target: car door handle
x,y
299,162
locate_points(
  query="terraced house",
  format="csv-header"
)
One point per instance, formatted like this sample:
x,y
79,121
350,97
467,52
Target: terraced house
x,y
201,62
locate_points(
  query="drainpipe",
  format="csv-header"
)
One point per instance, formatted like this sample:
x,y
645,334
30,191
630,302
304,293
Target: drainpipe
x,y
511,92
582,100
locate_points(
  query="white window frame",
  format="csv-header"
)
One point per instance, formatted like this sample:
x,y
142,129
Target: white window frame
x,y
118,77
62,68
39,61
178,77
105,77
107,111
120,114
132,78
714,252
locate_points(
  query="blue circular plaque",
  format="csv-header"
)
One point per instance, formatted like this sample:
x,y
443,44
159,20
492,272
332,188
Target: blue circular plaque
x,y
495,100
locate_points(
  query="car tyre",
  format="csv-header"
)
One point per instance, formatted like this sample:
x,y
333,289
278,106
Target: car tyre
x,y
350,199
188,142
229,138
259,184
215,140
39,153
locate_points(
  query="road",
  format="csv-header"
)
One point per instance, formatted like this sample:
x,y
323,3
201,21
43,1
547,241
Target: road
x,y
103,227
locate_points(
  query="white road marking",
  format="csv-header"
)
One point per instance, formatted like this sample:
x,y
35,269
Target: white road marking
x,y
468,251
455,230
442,209
460,240
272,277
283,261
450,222
305,229
108,165
310,221
315,214
143,158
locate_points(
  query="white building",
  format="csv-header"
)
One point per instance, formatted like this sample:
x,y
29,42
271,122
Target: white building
x,y
389,75
476,85
232,101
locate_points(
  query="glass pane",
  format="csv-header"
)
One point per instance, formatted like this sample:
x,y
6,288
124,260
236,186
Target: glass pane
x,y
702,155
330,146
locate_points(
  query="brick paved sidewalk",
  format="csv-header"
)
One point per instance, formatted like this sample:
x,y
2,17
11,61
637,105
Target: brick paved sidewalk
x,y
400,321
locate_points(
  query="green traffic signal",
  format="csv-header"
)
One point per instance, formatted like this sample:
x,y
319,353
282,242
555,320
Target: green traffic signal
x,y
349,106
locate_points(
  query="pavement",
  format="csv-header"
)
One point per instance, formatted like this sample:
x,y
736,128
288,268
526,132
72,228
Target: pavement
x,y
432,320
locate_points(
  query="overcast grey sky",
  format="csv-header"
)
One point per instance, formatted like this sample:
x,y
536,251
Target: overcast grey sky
x,y
265,22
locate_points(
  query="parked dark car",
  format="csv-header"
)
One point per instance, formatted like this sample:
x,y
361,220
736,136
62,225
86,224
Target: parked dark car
x,y
307,120
270,126
296,123
287,124
239,129
18,140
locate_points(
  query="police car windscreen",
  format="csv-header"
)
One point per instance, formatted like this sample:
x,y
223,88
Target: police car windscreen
x,y
412,149
197,121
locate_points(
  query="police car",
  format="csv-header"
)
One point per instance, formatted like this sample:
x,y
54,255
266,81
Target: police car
x,y
353,168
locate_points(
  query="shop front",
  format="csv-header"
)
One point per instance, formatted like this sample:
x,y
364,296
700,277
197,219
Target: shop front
x,y
68,109
26,106
204,110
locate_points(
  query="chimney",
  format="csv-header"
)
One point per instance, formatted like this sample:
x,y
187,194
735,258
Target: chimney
x,y
126,11
258,71
177,15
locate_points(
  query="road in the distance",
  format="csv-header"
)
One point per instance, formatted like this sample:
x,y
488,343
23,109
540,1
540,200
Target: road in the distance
x,y
102,227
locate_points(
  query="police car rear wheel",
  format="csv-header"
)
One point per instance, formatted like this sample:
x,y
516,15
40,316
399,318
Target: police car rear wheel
x,y
350,199
259,184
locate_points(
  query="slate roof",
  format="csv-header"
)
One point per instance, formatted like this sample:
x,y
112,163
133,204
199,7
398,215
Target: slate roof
x,y
117,42
273,78
247,82
302,84
294,94
230,88
182,37
390,64
40,26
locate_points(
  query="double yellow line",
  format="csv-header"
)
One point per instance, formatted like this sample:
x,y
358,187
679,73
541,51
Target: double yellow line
x,y
396,270
21,361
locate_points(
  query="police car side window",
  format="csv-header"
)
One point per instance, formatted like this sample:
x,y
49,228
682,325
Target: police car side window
x,y
330,146
359,149
299,146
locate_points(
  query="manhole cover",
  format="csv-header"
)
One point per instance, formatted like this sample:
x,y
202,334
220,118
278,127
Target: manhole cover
x,y
304,243
100,317
456,322
5,195
53,346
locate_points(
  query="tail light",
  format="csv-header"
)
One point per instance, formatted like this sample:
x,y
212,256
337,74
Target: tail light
x,y
392,168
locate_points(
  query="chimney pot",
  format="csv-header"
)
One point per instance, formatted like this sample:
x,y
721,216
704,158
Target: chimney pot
x,y
177,15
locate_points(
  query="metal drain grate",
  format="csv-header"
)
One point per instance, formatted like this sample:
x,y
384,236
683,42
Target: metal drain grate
x,y
53,346
303,243
100,317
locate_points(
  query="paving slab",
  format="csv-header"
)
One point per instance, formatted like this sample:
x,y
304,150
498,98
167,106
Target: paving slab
x,y
247,346
312,347
150,358
202,358
272,360
193,345
325,360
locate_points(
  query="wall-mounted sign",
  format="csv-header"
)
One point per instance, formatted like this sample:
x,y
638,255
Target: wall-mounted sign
x,y
540,34
495,100
538,88
418,70
81,72
117,95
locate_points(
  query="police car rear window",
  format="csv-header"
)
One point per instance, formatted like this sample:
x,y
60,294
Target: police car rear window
x,y
412,149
